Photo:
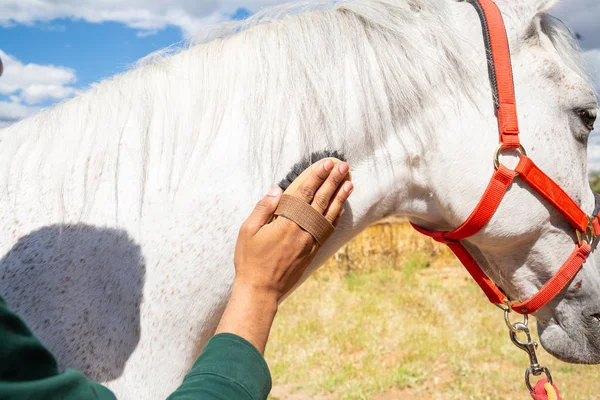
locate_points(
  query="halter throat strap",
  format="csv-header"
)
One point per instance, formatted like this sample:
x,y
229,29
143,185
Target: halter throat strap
x,y
586,227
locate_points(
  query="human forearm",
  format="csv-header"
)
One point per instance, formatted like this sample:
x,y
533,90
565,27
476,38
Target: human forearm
x,y
249,314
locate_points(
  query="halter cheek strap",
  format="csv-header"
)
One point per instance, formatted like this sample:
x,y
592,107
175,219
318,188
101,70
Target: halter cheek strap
x,y
586,228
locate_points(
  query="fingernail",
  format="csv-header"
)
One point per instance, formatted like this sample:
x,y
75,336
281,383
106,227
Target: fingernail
x,y
274,192
328,165
344,168
342,212
348,187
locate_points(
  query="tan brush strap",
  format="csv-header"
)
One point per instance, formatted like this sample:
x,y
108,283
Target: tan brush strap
x,y
307,218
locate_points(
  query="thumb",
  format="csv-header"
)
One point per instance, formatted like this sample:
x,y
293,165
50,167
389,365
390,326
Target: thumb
x,y
263,211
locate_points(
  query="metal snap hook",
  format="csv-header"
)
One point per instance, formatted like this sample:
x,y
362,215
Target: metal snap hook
x,y
529,347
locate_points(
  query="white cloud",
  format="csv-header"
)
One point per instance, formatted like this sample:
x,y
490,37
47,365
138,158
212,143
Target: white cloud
x,y
35,94
11,111
27,85
35,83
145,15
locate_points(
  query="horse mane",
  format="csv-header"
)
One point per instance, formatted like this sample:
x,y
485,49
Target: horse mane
x,y
404,37
393,59
402,55
329,75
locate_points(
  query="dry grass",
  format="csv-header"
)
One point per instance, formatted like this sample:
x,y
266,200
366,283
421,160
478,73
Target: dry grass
x,y
387,318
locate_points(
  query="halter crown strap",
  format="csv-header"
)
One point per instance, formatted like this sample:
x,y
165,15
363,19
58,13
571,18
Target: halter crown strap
x,y
500,72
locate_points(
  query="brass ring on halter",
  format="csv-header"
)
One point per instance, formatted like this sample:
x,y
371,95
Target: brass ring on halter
x,y
589,236
499,150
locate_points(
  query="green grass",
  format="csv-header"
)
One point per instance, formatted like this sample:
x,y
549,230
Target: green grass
x,y
400,333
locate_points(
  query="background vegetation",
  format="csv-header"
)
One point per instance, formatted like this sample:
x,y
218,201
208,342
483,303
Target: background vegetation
x,y
394,316
595,181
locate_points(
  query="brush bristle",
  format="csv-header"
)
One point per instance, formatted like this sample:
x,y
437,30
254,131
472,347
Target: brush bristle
x,y
300,166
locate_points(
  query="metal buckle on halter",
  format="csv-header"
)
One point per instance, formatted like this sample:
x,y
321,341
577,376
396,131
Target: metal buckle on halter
x,y
499,150
589,236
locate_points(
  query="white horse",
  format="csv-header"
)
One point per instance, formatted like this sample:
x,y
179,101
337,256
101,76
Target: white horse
x,y
120,208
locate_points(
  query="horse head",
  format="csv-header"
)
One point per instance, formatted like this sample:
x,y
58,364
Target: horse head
x,y
527,240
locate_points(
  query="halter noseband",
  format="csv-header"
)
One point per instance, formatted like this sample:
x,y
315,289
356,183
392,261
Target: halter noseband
x,y
586,228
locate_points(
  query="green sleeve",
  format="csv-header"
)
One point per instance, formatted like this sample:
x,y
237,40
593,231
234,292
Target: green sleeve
x,y
229,368
29,371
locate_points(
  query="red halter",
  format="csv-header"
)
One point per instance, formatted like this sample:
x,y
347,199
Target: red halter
x,y
586,228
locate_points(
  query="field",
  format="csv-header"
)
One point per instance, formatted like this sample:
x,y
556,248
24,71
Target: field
x,y
394,316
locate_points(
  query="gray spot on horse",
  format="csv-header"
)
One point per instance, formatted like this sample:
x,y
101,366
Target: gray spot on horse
x,y
79,289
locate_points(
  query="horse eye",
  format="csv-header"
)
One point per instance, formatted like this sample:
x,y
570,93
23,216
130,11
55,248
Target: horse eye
x,y
588,118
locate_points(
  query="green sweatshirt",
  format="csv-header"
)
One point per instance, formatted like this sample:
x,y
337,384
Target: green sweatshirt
x,y
229,368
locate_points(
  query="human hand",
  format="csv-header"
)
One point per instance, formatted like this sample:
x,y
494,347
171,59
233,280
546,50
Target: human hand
x,y
271,257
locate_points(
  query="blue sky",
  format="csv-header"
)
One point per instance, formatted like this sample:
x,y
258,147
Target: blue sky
x,y
54,48
94,50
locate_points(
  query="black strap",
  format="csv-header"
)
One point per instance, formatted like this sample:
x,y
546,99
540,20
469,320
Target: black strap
x,y
488,50
597,208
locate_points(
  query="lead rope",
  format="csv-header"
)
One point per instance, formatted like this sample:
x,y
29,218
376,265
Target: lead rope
x,y
544,388
545,391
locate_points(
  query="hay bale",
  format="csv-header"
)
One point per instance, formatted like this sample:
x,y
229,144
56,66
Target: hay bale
x,y
388,243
